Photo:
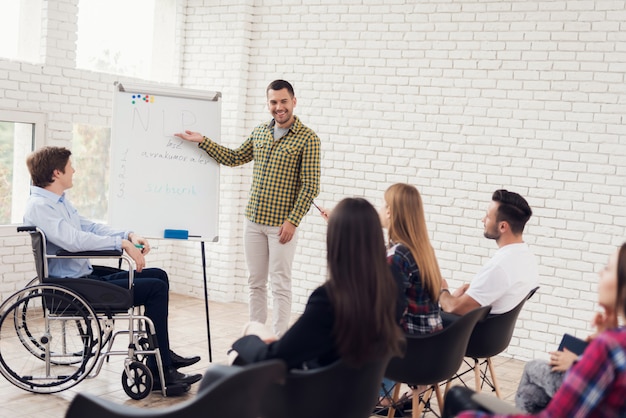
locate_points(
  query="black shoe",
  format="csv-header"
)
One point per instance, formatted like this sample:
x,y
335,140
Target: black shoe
x,y
180,361
174,378
176,389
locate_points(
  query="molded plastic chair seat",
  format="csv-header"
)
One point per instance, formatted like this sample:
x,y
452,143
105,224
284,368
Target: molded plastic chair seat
x,y
433,358
237,393
336,390
489,338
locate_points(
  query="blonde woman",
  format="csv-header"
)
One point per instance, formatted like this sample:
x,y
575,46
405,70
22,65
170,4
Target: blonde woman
x,y
411,255
412,261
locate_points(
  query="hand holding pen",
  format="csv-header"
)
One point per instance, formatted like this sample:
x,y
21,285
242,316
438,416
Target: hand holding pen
x,y
325,213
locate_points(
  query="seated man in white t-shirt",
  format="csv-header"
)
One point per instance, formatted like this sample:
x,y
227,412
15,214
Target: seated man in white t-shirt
x,y
512,271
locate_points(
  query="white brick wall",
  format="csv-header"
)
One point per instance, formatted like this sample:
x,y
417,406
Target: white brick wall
x,y
459,97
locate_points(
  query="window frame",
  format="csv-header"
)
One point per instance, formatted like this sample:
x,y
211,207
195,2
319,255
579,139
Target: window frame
x,y
39,122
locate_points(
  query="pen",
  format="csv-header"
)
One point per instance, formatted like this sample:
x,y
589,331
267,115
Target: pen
x,y
318,208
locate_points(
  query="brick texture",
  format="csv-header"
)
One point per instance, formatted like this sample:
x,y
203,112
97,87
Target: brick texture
x,y
457,97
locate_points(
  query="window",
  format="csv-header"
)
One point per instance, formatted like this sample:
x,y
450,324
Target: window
x,y
90,159
20,134
132,38
20,30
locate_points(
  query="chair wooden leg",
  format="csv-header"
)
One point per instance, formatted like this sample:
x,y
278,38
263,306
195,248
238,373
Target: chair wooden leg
x,y
439,399
417,405
477,375
492,372
448,383
394,399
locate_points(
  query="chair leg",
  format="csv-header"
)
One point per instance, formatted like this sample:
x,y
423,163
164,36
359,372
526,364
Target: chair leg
x,y
418,405
439,399
394,399
492,372
477,375
448,383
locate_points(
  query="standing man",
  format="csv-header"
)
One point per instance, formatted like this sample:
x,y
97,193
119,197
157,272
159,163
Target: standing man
x,y
285,181
511,273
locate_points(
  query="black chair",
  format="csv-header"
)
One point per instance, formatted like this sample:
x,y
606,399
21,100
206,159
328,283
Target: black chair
x,y
432,358
236,393
336,390
489,338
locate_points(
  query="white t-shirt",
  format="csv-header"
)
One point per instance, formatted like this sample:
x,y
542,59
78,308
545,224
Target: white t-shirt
x,y
506,279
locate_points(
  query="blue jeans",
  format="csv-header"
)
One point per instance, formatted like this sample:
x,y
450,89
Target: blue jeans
x,y
386,388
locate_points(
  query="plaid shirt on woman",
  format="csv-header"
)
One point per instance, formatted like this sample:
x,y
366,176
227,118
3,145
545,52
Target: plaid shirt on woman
x,y
595,387
286,174
422,314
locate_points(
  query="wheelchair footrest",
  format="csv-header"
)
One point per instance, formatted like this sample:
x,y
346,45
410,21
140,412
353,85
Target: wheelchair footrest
x,y
176,389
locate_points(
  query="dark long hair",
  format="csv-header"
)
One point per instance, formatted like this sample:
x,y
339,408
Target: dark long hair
x,y
621,280
360,286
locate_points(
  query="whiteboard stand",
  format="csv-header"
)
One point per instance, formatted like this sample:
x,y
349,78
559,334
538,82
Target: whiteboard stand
x,y
151,168
206,301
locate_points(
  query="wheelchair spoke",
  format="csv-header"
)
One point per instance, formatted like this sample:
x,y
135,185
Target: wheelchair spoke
x,y
56,328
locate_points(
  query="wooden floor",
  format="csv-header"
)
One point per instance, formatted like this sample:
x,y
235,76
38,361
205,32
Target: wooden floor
x,y
188,336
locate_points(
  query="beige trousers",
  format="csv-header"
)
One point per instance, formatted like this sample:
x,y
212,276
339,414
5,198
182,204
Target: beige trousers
x,y
266,256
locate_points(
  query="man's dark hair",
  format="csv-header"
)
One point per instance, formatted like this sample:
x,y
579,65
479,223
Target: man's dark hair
x,y
513,209
279,85
42,163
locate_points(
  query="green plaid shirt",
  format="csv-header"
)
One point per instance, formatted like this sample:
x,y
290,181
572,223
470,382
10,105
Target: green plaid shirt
x,y
286,175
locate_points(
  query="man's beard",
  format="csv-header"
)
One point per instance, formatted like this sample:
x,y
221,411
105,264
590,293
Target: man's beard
x,y
492,234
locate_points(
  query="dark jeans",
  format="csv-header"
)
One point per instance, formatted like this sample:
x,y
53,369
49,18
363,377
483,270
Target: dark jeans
x,y
151,288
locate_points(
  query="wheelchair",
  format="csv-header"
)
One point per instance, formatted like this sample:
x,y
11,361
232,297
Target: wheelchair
x,y
58,331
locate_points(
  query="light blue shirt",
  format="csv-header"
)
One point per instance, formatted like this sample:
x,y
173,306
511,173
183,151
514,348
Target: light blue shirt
x,y
66,229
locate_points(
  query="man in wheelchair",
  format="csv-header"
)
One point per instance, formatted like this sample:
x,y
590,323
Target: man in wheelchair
x,y
48,209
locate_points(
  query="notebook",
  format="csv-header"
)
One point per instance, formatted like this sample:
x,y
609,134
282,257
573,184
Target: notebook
x,y
573,344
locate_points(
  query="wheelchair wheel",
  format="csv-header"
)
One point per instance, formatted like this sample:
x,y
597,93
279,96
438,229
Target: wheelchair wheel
x,y
57,328
137,380
31,343
144,344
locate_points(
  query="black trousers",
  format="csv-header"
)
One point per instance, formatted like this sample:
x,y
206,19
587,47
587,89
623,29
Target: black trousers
x,y
151,288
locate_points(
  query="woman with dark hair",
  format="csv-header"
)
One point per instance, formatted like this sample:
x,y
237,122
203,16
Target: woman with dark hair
x,y
596,385
352,316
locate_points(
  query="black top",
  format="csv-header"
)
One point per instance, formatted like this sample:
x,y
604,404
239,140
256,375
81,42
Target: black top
x,y
308,343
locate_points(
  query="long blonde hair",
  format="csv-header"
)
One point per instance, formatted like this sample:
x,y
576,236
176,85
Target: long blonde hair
x,y
407,226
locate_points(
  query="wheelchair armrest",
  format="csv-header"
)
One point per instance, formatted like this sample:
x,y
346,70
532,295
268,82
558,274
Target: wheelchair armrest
x,y
26,228
88,254
105,254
